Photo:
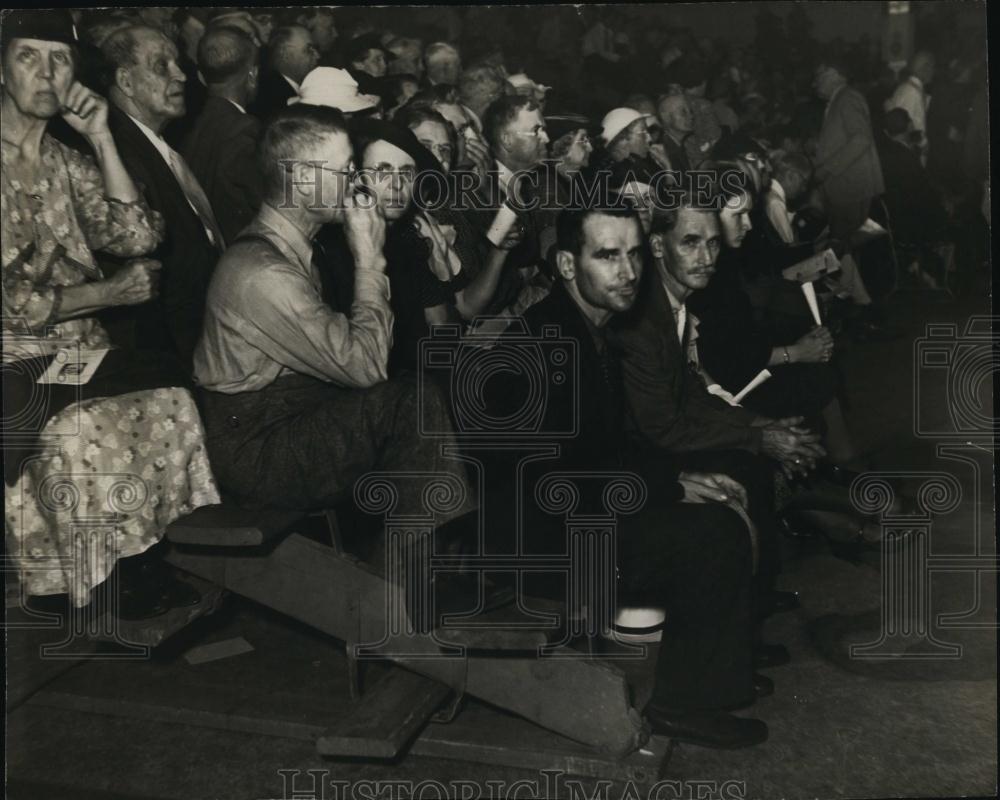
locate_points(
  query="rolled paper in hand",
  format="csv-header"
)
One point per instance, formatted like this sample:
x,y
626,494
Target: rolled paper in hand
x,y
762,376
501,225
718,391
810,292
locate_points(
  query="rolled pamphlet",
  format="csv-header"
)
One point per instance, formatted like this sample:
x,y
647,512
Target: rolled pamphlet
x,y
718,391
762,376
501,225
810,292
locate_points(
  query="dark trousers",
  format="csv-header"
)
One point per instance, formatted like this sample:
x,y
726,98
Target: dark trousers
x,y
301,443
695,560
756,475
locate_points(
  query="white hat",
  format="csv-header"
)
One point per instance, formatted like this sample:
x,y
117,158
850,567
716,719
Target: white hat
x,y
327,86
522,81
617,120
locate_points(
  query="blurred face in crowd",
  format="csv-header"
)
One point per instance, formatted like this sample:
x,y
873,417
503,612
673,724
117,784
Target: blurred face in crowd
x,y
37,75
826,81
264,22
639,195
734,219
161,18
299,55
688,252
675,115
525,139
373,63
322,29
464,127
434,137
638,138
604,276
923,67
577,155
155,84
389,174
795,185
444,68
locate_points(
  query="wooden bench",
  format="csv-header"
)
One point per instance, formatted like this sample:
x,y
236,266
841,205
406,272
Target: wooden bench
x,y
326,588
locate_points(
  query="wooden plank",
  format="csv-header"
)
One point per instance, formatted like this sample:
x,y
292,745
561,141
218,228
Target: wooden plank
x,y
150,712
485,736
231,526
386,718
311,583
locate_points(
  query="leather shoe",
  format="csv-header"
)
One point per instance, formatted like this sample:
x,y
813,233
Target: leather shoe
x,y
707,728
766,656
763,686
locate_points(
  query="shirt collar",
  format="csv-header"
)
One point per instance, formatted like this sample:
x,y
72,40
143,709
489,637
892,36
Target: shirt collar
x,y
157,141
290,82
286,230
916,82
675,304
242,110
779,190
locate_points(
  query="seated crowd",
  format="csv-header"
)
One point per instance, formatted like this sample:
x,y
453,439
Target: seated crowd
x,y
273,217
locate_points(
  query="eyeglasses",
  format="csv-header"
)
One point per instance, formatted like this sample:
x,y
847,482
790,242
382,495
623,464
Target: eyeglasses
x,y
351,173
535,132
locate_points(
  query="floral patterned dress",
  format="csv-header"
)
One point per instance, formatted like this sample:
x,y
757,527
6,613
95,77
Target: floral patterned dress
x,y
115,471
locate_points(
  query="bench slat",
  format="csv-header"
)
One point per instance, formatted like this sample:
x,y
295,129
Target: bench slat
x,y
227,525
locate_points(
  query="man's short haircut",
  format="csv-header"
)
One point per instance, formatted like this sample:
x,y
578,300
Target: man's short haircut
x,y
288,135
280,38
838,62
439,94
413,116
665,216
224,53
480,81
440,51
569,223
501,113
121,49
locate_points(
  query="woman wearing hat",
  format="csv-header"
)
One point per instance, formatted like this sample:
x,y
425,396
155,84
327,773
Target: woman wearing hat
x,y
57,206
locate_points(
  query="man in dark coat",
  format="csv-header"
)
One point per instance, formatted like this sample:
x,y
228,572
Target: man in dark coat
x,y
683,549
221,148
147,91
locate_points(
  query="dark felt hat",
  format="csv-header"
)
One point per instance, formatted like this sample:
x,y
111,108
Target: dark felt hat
x,y
365,130
54,25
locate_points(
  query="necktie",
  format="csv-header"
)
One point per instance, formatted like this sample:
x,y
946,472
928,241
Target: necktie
x,y
196,198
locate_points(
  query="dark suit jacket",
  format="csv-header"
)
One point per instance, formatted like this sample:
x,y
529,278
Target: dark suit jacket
x,y
273,94
847,163
667,405
581,409
173,320
221,151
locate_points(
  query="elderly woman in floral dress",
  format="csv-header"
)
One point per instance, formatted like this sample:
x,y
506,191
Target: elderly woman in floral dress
x,y
123,451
